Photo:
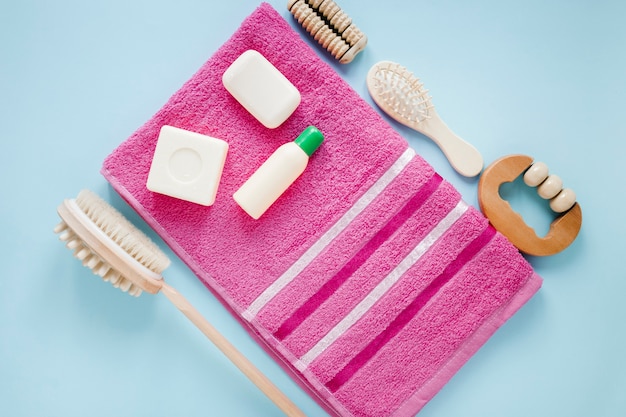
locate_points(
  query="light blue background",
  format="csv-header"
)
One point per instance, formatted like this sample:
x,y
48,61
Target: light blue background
x,y
542,78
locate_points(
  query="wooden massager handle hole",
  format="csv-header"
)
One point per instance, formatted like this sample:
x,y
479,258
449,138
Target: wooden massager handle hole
x,y
563,229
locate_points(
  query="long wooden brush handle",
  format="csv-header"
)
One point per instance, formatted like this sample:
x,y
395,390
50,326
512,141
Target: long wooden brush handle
x,y
258,378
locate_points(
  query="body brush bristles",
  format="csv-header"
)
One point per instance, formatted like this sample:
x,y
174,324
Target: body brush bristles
x,y
110,245
113,248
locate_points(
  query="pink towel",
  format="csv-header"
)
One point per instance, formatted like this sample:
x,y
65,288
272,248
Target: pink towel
x,y
369,280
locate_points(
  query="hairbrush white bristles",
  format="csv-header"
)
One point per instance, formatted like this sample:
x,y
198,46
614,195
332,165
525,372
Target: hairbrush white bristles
x,y
107,243
403,97
330,26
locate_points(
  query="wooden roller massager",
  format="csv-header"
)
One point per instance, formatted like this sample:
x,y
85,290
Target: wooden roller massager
x,y
330,26
563,229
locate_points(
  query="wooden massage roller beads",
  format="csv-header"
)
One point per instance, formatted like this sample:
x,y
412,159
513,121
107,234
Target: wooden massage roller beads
x,y
331,27
563,230
550,187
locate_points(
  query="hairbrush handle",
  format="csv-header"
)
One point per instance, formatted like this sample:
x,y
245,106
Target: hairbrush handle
x,y
256,376
463,157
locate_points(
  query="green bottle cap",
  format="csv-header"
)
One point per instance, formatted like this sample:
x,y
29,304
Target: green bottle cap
x,y
309,140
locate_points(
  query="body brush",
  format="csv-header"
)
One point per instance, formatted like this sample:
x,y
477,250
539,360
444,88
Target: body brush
x,y
107,243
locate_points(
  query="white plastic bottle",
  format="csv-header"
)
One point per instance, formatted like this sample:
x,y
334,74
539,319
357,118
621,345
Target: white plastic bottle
x,y
277,173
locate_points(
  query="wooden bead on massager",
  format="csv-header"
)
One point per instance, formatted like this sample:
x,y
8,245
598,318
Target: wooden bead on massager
x,y
550,187
563,229
563,201
536,174
332,28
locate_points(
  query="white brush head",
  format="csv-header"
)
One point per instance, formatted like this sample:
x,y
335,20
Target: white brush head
x,y
399,93
112,247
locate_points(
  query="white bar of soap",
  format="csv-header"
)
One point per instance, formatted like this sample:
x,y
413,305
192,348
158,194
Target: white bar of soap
x,y
187,165
261,89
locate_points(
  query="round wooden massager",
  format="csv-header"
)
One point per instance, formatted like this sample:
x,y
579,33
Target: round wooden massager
x,y
563,229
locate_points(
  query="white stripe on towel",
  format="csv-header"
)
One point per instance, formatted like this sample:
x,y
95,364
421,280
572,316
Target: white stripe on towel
x,y
380,290
331,234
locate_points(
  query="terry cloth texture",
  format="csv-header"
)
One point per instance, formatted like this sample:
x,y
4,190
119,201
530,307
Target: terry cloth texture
x,y
369,280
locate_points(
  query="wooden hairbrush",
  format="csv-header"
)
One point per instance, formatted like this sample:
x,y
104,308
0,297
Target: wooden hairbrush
x,y
330,26
403,97
563,229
